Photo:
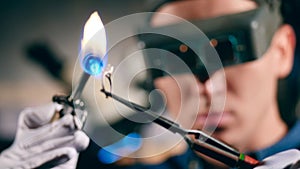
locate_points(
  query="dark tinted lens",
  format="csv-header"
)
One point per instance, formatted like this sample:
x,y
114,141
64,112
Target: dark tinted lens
x,y
225,48
186,54
225,45
191,59
225,51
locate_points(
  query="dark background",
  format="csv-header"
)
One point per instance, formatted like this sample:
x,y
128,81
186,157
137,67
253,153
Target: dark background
x,y
53,27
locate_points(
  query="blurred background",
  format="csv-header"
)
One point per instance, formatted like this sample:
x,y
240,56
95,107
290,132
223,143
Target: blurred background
x,y
52,28
30,29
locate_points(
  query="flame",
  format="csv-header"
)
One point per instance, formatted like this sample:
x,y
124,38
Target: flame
x,y
93,45
94,34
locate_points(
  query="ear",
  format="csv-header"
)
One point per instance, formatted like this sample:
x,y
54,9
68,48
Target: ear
x,y
283,47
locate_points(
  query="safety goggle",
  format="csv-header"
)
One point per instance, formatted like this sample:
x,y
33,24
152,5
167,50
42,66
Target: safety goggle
x,y
237,38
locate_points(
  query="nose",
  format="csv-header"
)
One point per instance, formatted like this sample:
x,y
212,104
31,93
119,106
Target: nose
x,y
213,86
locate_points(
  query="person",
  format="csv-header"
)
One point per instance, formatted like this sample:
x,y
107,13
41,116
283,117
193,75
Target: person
x,y
250,120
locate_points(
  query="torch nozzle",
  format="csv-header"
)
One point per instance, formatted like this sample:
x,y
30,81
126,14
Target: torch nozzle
x,y
77,91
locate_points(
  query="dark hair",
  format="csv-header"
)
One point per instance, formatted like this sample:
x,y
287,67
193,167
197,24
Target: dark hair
x,y
289,11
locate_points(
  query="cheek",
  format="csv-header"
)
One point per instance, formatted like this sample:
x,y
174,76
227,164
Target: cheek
x,y
250,83
250,91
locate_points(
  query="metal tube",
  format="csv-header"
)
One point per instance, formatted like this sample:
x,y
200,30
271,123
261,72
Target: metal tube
x,y
76,93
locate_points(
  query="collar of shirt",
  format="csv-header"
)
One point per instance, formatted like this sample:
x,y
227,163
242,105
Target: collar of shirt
x,y
290,141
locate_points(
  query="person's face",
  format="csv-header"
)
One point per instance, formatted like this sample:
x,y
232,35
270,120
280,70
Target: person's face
x,y
248,94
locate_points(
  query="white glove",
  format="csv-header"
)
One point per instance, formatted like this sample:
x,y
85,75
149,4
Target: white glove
x,y
39,142
289,159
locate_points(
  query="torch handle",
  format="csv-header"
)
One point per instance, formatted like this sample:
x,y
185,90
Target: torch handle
x,y
55,116
69,107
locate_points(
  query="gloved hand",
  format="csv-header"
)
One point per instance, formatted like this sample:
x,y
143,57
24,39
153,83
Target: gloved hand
x,y
40,142
289,159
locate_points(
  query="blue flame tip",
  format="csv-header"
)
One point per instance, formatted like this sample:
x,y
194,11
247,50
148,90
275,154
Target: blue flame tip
x,y
92,65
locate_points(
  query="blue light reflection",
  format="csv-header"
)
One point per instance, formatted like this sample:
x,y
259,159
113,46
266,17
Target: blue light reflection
x,y
127,145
